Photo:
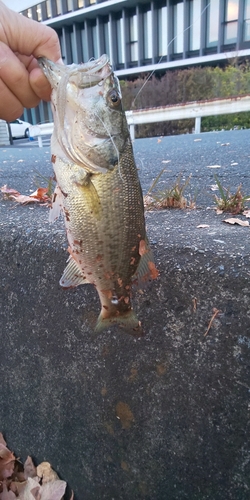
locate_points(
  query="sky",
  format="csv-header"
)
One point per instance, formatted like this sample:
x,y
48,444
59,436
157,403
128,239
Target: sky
x,y
19,5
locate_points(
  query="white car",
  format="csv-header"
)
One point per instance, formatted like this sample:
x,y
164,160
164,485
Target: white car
x,y
19,128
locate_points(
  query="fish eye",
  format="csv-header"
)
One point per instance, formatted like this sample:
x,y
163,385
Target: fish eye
x,y
114,97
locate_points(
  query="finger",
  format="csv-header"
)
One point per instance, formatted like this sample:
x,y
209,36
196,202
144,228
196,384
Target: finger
x,y
16,78
28,37
37,80
40,84
10,107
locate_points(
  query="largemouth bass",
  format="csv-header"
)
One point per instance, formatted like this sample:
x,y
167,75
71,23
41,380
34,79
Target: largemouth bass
x,y
98,188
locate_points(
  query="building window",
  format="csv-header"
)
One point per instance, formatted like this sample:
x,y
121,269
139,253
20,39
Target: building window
x,y
195,25
212,23
246,31
119,29
162,26
29,14
58,7
147,35
231,21
48,9
133,32
39,12
106,36
84,42
178,27
69,5
80,4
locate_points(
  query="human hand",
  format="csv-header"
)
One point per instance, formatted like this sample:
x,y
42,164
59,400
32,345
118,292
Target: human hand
x,y
22,82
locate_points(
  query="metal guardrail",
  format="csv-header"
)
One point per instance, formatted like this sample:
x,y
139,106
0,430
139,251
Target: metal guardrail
x,y
187,110
40,130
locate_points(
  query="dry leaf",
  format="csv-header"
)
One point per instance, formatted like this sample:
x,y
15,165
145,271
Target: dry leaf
x,y
12,478
29,468
159,140
246,213
203,226
7,462
31,487
8,191
38,196
46,473
213,166
7,495
237,221
2,440
54,490
218,211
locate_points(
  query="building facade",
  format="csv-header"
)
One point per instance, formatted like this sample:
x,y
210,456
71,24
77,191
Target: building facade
x,y
142,36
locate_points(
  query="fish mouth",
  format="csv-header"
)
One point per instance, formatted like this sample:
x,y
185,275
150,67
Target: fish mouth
x,y
87,74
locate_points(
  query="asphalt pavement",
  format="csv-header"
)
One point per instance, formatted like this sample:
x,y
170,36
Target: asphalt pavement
x,y
224,154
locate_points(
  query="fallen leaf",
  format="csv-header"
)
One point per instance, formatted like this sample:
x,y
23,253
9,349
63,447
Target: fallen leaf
x,y
201,226
29,468
218,211
246,213
214,187
7,461
6,494
38,196
46,473
8,191
159,140
213,166
54,490
2,440
197,140
237,221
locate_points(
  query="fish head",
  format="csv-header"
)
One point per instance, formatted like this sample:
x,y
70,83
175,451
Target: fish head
x,y
89,122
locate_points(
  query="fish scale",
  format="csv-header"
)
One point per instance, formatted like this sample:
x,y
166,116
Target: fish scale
x,y
98,189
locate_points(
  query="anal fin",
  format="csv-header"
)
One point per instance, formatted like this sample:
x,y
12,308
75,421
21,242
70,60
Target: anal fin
x,y
72,275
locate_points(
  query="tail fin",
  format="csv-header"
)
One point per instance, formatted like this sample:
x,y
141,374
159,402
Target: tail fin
x,y
128,321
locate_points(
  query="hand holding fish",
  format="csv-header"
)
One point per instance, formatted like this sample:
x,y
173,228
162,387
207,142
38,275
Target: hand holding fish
x,y
22,83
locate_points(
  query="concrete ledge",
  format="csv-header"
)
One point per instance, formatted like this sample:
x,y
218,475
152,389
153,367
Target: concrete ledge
x,y
162,417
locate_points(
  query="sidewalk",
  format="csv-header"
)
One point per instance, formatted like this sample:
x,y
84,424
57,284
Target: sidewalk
x,y
164,417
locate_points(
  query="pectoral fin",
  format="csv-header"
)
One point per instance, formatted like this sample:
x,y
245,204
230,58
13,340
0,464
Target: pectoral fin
x,y
72,275
57,204
90,195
